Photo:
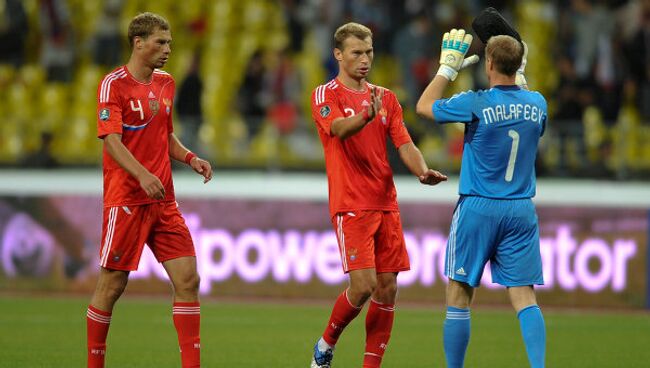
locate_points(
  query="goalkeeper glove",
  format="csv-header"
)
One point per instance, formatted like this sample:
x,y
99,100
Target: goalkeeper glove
x,y
452,56
520,79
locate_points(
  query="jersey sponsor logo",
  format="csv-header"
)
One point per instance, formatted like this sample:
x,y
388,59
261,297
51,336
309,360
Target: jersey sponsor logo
x,y
104,114
325,111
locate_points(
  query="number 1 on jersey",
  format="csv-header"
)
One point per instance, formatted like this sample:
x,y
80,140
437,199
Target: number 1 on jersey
x,y
513,154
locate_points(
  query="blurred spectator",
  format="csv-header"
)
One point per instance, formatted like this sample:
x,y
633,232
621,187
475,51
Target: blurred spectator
x,y
108,40
414,46
323,18
251,98
637,55
57,50
285,91
13,32
42,158
188,106
293,19
374,15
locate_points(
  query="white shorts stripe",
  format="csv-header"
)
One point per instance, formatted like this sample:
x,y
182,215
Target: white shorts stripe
x,y
109,236
344,257
451,257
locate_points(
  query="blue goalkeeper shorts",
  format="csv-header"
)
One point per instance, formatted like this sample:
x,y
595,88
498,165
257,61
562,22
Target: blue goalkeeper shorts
x,y
502,231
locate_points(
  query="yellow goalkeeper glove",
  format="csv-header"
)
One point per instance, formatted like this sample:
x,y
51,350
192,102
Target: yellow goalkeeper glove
x,y
520,79
452,56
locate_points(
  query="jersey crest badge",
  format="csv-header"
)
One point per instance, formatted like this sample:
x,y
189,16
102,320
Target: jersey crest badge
x,y
154,106
325,111
383,114
104,114
353,254
168,105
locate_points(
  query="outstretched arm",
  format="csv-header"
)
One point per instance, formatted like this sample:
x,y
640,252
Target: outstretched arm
x,y
179,152
412,158
431,94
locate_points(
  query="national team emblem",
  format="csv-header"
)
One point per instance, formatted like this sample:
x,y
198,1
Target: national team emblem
x,y
117,256
325,111
154,106
353,254
383,114
168,105
104,114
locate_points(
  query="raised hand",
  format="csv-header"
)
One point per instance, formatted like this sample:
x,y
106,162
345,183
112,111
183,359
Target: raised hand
x,y
455,45
376,97
520,78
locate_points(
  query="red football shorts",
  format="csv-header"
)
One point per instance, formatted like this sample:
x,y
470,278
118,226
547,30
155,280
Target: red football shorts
x,y
127,228
371,239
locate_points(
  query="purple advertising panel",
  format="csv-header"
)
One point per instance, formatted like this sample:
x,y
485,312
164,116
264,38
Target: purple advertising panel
x,y
288,249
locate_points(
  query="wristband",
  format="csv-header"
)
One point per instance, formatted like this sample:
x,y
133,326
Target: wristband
x,y
189,156
447,72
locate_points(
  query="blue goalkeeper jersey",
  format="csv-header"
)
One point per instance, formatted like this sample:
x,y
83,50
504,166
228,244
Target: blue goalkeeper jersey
x,y
502,129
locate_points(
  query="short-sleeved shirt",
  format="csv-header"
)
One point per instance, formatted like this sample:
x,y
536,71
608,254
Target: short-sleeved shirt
x,y
502,131
142,114
358,172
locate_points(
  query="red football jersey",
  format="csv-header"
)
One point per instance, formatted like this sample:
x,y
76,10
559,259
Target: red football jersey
x,y
358,172
142,114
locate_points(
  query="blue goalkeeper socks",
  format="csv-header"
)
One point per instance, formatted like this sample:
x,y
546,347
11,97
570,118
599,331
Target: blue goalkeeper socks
x,y
456,336
533,331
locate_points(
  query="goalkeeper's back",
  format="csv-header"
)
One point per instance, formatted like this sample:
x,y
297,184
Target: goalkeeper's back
x,y
503,127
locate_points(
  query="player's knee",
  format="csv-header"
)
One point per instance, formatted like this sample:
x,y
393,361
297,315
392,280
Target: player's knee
x,y
189,284
364,289
387,291
111,290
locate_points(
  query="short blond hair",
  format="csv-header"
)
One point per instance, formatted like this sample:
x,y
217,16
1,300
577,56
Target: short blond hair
x,y
145,24
348,30
506,53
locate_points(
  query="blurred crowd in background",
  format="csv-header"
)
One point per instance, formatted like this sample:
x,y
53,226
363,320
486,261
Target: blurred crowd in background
x,y
245,70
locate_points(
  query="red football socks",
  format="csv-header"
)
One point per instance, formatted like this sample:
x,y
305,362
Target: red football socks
x,y
379,324
97,323
342,314
187,320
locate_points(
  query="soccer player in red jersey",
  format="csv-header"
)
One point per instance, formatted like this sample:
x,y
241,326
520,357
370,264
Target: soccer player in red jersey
x,y
354,119
135,123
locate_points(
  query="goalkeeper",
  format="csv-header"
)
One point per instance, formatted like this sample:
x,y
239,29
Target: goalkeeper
x,y
495,219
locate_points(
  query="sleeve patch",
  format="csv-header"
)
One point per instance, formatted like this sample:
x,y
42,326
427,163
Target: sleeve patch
x,y
325,111
104,114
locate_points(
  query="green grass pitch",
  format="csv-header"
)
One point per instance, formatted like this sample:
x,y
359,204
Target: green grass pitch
x,y
50,332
